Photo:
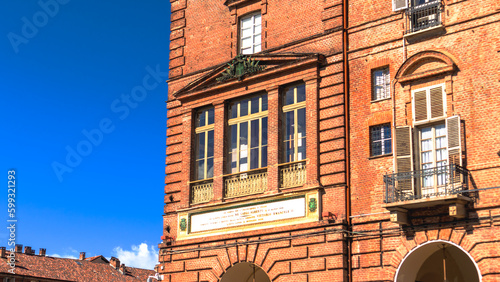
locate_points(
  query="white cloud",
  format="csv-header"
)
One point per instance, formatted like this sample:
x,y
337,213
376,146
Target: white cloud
x,y
63,256
140,256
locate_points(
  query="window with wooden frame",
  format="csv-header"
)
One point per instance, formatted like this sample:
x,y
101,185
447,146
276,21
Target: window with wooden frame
x,y
428,104
247,134
204,152
294,123
380,140
250,34
381,84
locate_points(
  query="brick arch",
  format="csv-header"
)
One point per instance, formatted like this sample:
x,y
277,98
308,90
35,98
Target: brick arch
x,y
425,64
451,236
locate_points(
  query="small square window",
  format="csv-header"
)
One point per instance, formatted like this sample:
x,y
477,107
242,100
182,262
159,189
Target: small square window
x,y
380,140
381,84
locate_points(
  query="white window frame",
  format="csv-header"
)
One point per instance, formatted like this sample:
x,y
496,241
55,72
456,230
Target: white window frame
x,y
256,32
385,86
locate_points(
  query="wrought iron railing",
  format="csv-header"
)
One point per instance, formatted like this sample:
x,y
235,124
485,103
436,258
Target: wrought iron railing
x,y
293,174
423,16
428,183
245,183
202,191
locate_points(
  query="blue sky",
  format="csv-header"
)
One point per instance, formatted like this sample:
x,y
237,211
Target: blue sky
x,y
83,124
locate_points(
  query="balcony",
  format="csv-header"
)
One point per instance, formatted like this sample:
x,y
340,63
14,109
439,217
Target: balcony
x,y
446,185
423,17
245,183
202,191
293,174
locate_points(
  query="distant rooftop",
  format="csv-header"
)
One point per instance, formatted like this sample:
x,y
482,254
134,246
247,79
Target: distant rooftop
x,y
97,268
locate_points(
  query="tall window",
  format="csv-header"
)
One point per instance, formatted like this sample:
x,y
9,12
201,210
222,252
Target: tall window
x,y
433,154
380,139
250,34
294,117
204,144
248,134
381,84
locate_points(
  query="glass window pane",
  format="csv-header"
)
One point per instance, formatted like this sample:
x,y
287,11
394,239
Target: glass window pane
x,y
243,135
263,156
247,32
288,151
246,51
257,19
210,116
289,127
301,149
264,102
201,146
234,163
201,119
376,148
289,96
254,138
246,42
257,39
427,133
255,104
427,145
210,145
201,169
210,167
233,110
254,158
234,136
387,131
244,108
301,93
387,146
256,48
246,22
301,116
264,131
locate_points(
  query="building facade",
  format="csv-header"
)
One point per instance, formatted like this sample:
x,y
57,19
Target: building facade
x,y
332,141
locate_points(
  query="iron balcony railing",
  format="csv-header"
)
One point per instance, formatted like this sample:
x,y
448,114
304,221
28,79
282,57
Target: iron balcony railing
x,y
423,16
428,183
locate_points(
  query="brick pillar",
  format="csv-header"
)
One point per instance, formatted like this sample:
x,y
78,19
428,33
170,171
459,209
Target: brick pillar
x,y
273,139
312,127
219,131
187,132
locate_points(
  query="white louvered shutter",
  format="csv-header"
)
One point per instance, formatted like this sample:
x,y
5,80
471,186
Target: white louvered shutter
x,y
404,155
399,5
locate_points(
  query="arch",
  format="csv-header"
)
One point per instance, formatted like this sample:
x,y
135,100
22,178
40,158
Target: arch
x,y
425,261
245,272
425,64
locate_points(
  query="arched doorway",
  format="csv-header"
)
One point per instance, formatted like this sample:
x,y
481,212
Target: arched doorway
x,y
438,261
245,272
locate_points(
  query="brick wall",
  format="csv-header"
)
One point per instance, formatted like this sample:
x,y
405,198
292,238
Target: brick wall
x,y
204,36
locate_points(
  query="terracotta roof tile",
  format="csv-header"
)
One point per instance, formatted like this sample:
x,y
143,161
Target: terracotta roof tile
x,y
64,269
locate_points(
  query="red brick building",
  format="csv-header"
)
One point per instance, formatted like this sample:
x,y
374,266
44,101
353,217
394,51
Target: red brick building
x,y
275,174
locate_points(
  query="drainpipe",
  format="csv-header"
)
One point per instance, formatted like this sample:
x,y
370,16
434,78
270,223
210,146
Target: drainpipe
x,y
347,137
